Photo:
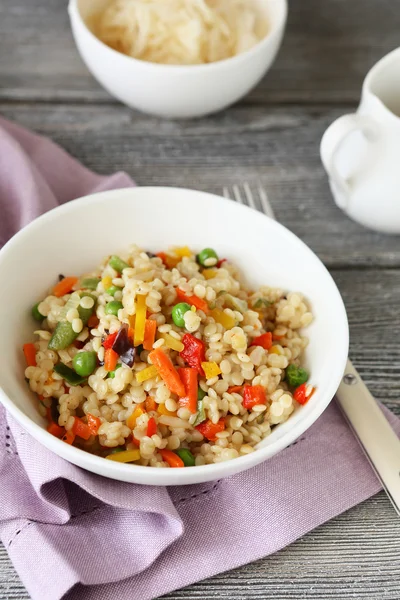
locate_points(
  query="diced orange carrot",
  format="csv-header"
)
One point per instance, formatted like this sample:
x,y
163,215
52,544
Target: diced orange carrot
x,y
167,371
189,379
151,427
235,389
150,404
56,430
30,354
93,321
150,329
69,437
64,286
172,459
81,429
110,359
193,300
93,424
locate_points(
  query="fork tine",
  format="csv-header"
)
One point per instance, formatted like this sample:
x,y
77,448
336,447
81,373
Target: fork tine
x,y
249,195
267,208
236,194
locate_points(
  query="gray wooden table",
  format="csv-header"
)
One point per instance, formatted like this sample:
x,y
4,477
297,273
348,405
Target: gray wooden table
x,y
271,137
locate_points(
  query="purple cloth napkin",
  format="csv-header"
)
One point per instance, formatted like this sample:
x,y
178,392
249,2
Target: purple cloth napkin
x,y
77,536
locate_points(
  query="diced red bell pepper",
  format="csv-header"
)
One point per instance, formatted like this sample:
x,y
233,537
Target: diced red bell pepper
x,y
220,262
209,430
189,380
109,341
194,352
151,427
136,442
264,340
300,393
93,424
253,395
80,429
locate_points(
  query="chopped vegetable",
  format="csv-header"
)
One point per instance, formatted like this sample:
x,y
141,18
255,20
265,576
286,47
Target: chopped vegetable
x,y
221,317
183,251
69,374
123,346
106,282
193,300
151,427
209,430
264,340
274,350
30,354
162,410
253,395
201,394
209,273
172,459
172,342
111,374
93,424
151,404
63,334
81,429
64,286
189,380
235,389
147,373
110,339
111,291
84,363
56,430
169,261
295,376
110,359
167,371
135,442
93,321
211,369
186,456
113,307
220,262
69,437
262,303
194,352
301,396
131,421
117,263
235,303
178,313
150,329
36,314
126,456
201,413
90,283
140,322
207,257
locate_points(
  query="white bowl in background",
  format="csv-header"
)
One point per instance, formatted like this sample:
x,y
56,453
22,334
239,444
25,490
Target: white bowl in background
x,y
75,237
176,91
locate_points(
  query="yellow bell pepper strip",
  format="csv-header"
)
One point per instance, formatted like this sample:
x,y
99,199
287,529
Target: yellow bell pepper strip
x,y
193,300
209,273
138,412
274,350
30,354
140,321
150,329
172,459
182,251
147,373
169,261
211,369
162,410
189,379
150,404
107,282
172,342
167,371
126,456
221,317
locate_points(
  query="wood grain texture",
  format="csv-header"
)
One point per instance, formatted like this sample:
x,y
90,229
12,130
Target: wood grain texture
x,y
278,146
328,48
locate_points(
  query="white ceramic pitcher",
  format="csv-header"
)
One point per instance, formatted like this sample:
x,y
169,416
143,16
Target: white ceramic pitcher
x,y
361,151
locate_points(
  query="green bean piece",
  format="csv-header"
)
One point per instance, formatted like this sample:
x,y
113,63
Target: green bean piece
x,y
117,263
36,314
64,335
69,374
186,456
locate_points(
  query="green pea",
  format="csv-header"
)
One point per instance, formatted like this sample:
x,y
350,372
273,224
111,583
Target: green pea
x,y
111,290
112,373
200,394
113,307
178,313
204,256
36,314
117,263
296,376
84,363
186,456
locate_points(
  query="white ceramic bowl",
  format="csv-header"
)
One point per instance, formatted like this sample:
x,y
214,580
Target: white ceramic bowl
x,y
76,236
172,90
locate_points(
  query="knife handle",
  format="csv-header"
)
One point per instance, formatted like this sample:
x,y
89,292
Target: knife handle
x,y
378,440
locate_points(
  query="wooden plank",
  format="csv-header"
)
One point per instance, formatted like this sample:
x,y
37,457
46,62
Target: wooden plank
x,y
328,48
278,147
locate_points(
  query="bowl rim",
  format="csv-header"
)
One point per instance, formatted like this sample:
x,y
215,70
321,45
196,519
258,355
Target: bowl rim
x,y
121,471
75,13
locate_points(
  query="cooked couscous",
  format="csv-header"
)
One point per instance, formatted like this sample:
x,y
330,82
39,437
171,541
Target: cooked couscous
x,y
167,360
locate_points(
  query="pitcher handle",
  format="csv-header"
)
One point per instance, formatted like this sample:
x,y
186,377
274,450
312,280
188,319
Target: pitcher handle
x,y
332,142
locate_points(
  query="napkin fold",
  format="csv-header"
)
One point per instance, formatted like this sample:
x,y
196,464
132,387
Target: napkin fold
x,y
74,535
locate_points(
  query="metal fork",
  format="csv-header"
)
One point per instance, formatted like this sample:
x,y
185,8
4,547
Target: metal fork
x,y
377,439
